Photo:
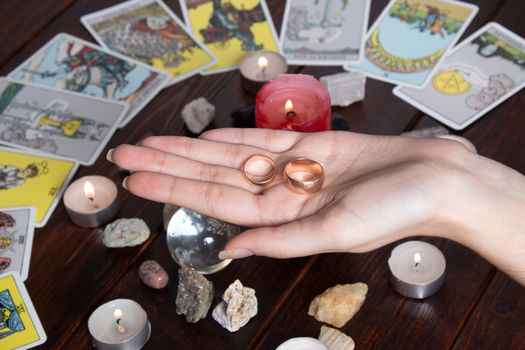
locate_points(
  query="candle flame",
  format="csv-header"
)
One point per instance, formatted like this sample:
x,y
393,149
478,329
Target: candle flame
x,y
117,314
89,191
121,328
288,106
118,317
262,62
417,259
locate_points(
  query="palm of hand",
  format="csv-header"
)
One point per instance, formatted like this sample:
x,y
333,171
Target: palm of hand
x,y
366,178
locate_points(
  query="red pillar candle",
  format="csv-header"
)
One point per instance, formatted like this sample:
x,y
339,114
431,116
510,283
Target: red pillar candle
x,y
293,101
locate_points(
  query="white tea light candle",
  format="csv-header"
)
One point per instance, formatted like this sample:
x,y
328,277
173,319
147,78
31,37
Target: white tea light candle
x,y
91,201
260,67
120,324
417,269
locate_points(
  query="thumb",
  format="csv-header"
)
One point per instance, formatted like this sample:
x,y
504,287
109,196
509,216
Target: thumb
x,y
297,238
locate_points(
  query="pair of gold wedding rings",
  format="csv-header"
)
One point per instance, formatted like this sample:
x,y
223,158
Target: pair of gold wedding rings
x,y
300,175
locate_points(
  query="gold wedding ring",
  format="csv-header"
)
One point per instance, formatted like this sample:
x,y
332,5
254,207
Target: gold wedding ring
x,y
259,170
303,176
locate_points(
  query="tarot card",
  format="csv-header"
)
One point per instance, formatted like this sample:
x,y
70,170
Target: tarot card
x,y
328,32
20,327
30,180
52,121
16,239
70,63
148,31
409,39
480,73
230,29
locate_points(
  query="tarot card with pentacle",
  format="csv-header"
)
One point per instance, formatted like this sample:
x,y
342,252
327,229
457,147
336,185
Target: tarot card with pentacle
x,y
480,73
324,32
20,327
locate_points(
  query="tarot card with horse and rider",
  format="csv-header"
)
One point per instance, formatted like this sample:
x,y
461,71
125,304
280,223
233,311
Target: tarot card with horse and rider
x,y
70,63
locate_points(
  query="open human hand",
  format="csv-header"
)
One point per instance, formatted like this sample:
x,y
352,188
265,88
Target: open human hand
x,y
376,189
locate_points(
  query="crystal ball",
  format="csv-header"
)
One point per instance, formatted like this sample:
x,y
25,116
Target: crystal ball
x,y
195,240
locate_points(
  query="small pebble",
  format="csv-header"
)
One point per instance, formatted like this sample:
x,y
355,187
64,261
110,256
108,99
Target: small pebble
x,y
338,304
198,114
125,233
153,275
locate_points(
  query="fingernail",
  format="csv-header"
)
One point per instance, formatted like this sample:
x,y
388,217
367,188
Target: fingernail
x,y
125,183
109,155
235,253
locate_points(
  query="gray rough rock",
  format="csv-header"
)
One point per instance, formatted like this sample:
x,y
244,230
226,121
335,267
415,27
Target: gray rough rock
x,y
238,307
194,295
125,233
345,88
198,114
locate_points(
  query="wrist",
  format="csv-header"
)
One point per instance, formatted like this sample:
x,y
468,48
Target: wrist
x,y
487,213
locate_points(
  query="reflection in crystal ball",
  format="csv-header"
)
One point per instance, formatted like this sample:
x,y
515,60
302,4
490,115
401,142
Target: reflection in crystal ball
x,y
195,240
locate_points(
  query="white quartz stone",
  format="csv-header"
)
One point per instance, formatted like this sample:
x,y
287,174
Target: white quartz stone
x,y
198,114
239,305
345,88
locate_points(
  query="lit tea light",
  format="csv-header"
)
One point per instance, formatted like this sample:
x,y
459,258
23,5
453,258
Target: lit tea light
x,y
260,67
117,314
91,201
128,329
417,269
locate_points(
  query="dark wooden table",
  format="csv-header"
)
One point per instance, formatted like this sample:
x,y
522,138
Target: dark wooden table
x,y
72,272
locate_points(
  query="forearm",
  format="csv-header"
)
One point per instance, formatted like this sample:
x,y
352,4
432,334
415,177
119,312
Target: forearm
x,y
489,215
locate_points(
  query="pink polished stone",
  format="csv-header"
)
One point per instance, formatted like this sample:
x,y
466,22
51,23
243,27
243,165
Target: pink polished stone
x,y
153,275
310,104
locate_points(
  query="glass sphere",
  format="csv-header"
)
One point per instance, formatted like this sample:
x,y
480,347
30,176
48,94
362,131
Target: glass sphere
x,y
195,240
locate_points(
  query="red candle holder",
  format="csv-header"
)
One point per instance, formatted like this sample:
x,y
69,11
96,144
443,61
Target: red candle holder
x,y
295,102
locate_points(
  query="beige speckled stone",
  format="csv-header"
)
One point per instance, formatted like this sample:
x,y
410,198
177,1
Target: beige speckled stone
x,y
338,304
335,340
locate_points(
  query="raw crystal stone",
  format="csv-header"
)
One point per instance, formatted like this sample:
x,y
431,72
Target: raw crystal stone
x,y
194,295
125,233
153,275
345,88
338,304
238,306
434,131
198,114
335,340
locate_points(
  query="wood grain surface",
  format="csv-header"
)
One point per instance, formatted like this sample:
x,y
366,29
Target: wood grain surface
x,y
72,272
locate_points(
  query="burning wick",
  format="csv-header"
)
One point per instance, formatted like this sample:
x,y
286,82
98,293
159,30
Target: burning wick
x,y
89,192
263,63
288,108
118,317
417,261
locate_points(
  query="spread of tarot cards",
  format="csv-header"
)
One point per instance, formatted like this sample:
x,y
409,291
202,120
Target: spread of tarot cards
x,y
60,107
